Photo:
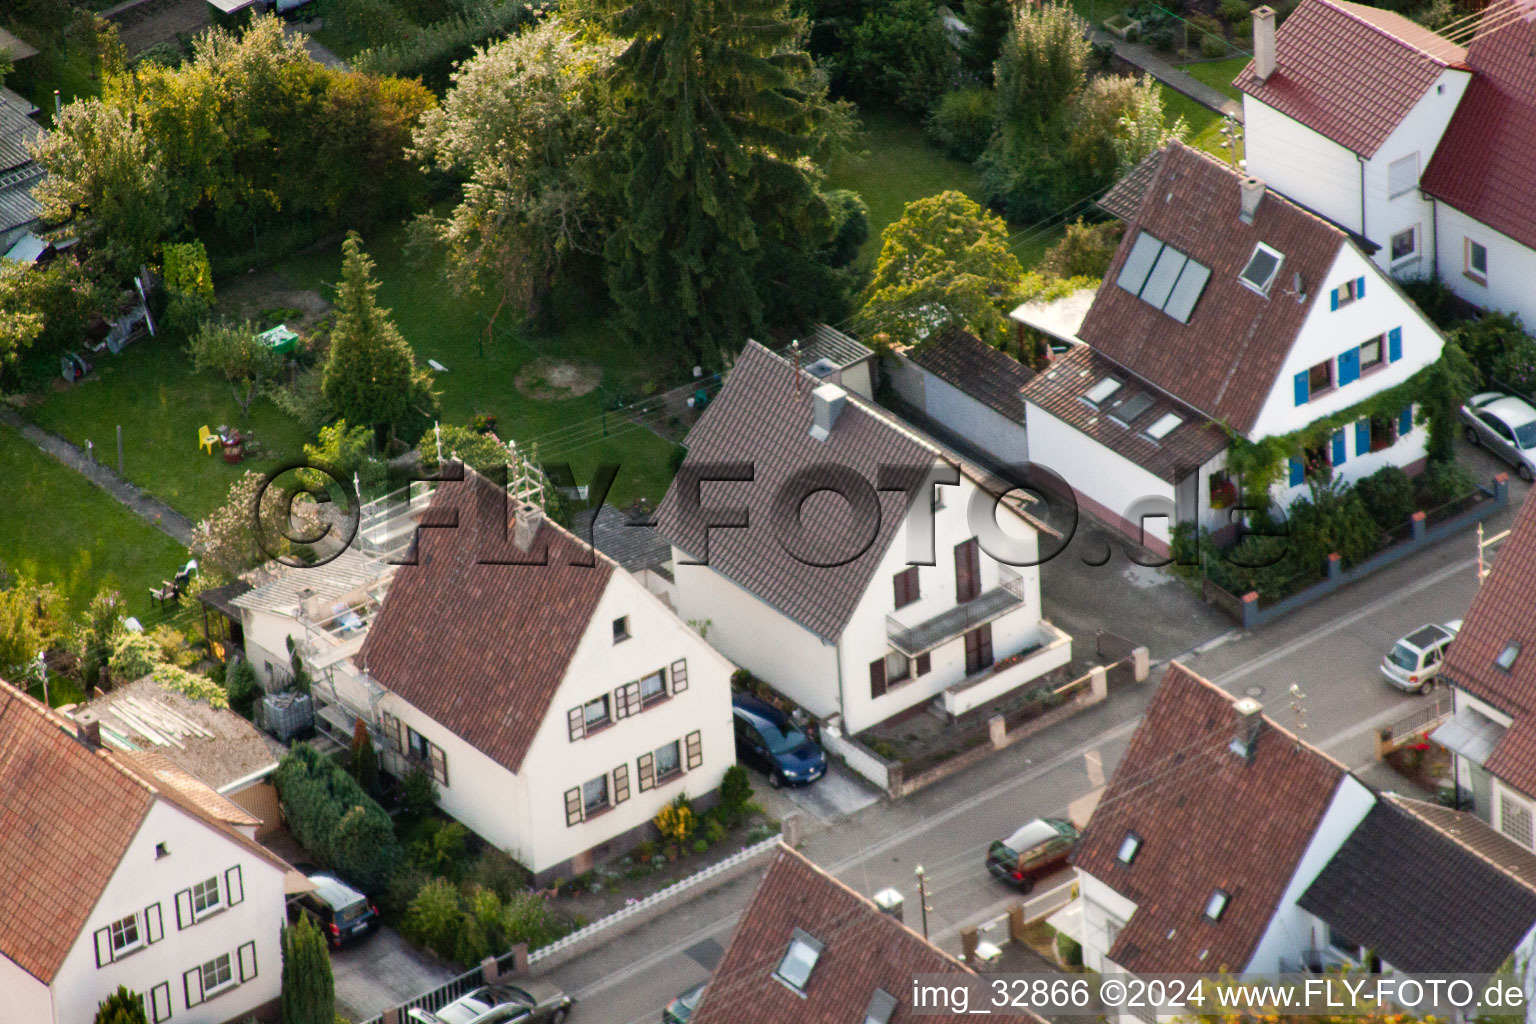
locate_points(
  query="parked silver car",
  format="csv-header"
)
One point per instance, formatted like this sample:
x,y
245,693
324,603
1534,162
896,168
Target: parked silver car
x,y
1414,661
1506,426
527,1002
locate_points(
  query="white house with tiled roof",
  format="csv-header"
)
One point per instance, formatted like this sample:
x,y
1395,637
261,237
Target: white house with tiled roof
x,y
125,870
834,585
1420,144
1227,310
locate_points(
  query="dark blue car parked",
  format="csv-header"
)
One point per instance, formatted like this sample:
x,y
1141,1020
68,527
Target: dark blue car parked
x,y
769,741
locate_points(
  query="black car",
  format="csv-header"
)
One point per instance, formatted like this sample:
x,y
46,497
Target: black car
x,y
343,914
767,739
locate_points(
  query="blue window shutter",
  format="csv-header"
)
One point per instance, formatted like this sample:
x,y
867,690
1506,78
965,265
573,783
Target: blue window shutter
x,y
1333,299
1338,448
1394,344
1360,288
1349,366
1302,394
1405,422
1362,437
1298,472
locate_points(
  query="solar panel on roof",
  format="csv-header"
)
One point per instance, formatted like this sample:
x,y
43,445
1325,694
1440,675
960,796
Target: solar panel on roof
x,y
1191,283
1138,264
1164,273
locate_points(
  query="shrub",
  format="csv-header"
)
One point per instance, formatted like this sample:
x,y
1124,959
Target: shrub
x,y
1332,520
495,870
898,54
240,684
1213,46
435,918
961,122
362,759
1161,39
465,927
308,988
191,685
700,845
173,647
134,656
714,830
1204,24
335,820
1234,12
431,52
1085,250
121,1007
1388,496
418,794
188,285
441,847
676,821
1442,482
735,793
1070,950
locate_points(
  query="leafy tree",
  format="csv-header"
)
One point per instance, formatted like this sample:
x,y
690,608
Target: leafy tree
x,y
46,307
188,283
1084,251
522,122
371,376
227,542
234,351
134,655
719,109
345,448
240,684
366,123
309,990
93,635
961,122
123,1007
989,22
30,621
478,451
363,759
1042,63
900,54
944,264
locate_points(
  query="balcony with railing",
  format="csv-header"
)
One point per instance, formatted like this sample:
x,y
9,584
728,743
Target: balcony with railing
x,y
988,606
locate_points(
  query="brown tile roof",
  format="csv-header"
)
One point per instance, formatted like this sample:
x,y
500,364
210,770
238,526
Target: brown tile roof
x,y
1209,819
478,644
1501,614
981,371
184,788
759,417
1225,360
1482,164
1123,200
1350,72
1474,834
67,814
1419,897
864,950
1059,391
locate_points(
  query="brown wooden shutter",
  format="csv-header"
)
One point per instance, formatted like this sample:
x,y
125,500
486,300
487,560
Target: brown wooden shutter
x,y
392,732
877,677
906,585
439,763
577,723
978,648
986,643
621,783
967,571
573,807
924,663
647,766
680,675
694,743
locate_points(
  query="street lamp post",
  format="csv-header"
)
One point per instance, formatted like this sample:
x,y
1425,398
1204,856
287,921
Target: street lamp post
x,y
922,895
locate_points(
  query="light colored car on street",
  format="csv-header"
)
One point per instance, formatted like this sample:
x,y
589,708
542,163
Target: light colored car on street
x,y
1506,426
527,1002
1414,661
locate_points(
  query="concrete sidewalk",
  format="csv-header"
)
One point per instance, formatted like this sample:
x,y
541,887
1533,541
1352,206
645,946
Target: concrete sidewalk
x,y
1152,63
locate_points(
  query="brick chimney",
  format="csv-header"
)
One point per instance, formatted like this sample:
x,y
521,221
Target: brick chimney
x,y
1263,42
1250,718
88,728
525,525
1252,190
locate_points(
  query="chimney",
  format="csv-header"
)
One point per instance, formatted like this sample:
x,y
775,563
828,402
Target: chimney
x,y
1263,42
890,903
827,402
88,728
1252,190
1249,721
525,525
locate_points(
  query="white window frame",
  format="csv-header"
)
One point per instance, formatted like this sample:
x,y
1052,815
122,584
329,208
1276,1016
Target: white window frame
x,y
1507,801
809,949
217,903
209,991
677,768
660,676
1480,276
122,924
1412,255
1400,178
589,809
1273,274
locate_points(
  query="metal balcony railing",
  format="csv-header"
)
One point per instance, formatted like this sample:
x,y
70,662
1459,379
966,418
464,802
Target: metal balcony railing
x,y
959,620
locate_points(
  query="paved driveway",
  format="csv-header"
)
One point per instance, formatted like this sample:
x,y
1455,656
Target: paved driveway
x,y
380,972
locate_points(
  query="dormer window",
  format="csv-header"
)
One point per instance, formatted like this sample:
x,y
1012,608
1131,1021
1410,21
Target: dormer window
x,y
1102,390
1506,658
881,1006
1262,268
1217,904
1130,846
799,960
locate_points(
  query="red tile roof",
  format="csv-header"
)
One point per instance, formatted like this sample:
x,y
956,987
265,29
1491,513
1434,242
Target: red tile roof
x,y
864,950
988,375
1225,360
1501,613
1350,72
1483,163
474,642
1209,819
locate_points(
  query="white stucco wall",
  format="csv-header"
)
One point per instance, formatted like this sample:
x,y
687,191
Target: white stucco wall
x,y
1096,473
866,636
769,644
1102,907
1511,266
1328,332
25,996
1301,164
1003,438
196,852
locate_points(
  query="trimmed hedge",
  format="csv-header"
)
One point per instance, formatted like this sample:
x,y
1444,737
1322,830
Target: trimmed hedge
x,y
340,825
432,52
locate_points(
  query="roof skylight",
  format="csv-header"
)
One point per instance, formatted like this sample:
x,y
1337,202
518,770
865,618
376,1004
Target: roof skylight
x,y
1165,425
1217,904
1102,390
1262,267
881,1005
1127,411
1130,846
799,960
1506,658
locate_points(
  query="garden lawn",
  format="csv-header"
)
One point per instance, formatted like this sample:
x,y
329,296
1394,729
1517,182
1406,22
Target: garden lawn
x,y
1218,74
151,389
481,373
61,529
1204,123
898,166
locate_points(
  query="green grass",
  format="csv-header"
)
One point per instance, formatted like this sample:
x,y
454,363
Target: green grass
x,y
151,389
60,529
451,329
1203,122
898,166
1218,74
